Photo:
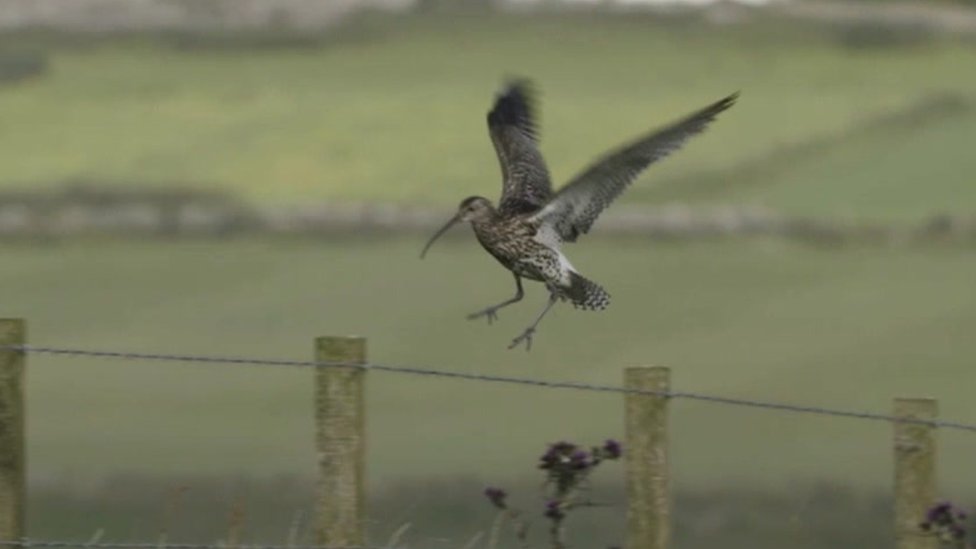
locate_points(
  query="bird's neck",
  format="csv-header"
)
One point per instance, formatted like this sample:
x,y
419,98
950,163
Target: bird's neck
x,y
486,220
485,226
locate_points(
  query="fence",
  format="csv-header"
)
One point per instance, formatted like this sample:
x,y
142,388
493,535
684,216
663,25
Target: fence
x,y
341,371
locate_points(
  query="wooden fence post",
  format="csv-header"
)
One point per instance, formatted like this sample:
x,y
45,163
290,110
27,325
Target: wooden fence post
x,y
12,462
646,459
340,441
914,472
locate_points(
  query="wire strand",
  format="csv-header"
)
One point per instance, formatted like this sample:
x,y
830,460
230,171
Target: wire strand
x,y
579,386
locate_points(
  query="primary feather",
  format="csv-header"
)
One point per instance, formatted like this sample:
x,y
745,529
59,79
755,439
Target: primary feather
x,y
514,133
577,205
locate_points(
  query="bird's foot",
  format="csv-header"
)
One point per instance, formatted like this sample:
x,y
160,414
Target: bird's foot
x,y
525,336
490,312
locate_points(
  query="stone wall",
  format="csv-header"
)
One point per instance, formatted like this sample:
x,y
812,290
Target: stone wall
x,y
168,212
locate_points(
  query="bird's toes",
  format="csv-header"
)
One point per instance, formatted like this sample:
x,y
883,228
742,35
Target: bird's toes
x,y
490,314
526,336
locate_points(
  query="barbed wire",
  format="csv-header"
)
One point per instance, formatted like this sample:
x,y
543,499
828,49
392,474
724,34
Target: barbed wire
x,y
572,385
25,543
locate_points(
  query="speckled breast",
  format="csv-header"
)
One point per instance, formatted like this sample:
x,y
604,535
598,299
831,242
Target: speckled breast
x,y
512,243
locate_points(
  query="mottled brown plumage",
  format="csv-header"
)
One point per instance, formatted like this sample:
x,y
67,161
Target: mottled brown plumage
x,y
525,231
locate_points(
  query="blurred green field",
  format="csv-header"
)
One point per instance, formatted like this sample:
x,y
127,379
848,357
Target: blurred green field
x,y
448,512
848,327
393,109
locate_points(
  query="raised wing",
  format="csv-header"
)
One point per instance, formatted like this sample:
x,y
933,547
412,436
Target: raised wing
x,y
511,122
576,206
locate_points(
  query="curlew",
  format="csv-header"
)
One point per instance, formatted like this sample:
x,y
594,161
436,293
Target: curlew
x,y
531,222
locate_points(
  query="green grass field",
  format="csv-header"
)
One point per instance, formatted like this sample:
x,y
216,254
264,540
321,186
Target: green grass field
x,y
759,319
393,109
449,512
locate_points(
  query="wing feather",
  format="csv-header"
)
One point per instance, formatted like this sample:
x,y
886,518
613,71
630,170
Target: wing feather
x,y
526,186
576,206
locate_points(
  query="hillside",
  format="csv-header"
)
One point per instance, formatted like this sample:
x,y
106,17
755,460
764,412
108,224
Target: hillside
x,y
383,110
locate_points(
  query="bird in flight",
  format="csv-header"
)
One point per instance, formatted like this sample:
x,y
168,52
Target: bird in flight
x,y
525,231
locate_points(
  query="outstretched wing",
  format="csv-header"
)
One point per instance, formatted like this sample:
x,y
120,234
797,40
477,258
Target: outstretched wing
x,y
511,123
576,206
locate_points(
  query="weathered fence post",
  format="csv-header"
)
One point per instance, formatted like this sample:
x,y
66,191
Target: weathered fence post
x,y
914,472
340,438
12,463
646,458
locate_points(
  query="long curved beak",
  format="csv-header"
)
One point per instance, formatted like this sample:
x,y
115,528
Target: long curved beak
x,y
439,232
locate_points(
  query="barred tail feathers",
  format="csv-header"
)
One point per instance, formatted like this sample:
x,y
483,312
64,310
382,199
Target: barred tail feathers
x,y
586,294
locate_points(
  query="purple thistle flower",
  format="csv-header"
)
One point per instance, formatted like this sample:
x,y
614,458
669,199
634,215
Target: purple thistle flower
x,y
561,446
945,521
496,496
938,511
612,449
548,460
557,453
579,459
554,509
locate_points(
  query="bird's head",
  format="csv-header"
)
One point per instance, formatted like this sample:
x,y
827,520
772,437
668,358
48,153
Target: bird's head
x,y
474,208
471,209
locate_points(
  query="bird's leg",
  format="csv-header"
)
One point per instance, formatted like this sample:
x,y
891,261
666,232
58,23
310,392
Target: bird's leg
x,y
526,336
492,312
